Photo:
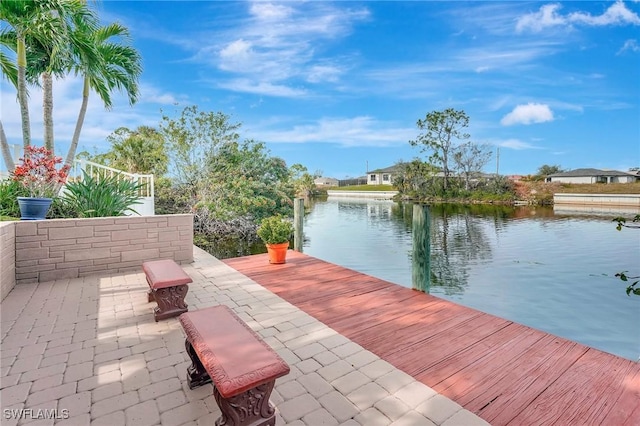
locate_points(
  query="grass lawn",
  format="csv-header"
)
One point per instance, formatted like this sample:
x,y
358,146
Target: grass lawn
x,y
364,188
599,188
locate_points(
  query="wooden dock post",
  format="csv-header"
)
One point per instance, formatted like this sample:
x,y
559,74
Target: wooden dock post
x,y
421,257
298,217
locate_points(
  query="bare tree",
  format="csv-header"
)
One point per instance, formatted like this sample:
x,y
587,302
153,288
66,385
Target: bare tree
x,y
470,158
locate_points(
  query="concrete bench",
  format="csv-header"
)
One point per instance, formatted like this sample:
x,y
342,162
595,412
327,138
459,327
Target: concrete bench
x,y
167,286
243,368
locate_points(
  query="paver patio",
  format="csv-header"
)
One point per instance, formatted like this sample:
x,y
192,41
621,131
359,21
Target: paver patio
x,y
88,351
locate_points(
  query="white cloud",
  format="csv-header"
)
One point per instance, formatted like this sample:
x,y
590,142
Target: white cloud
x,y
629,45
548,16
280,42
516,144
350,132
528,114
152,94
261,88
482,69
616,14
269,11
320,73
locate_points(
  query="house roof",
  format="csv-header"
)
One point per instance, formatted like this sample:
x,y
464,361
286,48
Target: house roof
x,y
389,169
590,172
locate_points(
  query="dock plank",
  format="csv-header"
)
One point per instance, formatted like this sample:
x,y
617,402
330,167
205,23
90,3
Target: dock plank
x,y
505,372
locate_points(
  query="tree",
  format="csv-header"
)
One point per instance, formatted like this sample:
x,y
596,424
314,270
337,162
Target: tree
x,y
226,179
546,170
117,66
441,128
56,37
136,151
413,178
194,139
470,158
41,29
302,180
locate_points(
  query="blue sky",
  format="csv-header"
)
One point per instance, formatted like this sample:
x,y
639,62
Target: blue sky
x,y
339,86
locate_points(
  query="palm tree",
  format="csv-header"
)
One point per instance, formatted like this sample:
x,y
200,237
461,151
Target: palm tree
x,y
117,67
40,28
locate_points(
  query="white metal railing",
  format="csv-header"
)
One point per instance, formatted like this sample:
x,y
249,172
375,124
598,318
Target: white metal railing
x,y
146,181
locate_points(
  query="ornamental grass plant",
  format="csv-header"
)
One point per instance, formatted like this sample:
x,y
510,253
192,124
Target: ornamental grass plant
x,y
100,195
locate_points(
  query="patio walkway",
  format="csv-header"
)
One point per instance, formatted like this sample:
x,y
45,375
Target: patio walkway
x,y
88,351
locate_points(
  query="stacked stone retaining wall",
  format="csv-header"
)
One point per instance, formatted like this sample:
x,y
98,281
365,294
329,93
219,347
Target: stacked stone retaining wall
x,y
7,258
630,200
48,250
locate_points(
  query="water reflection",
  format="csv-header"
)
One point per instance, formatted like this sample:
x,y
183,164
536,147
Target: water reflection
x,y
529,265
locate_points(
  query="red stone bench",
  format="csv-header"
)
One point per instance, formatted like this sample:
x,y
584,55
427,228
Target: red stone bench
x,y
167,286
242,366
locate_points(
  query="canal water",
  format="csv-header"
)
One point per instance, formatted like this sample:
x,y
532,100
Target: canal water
x,y
550,271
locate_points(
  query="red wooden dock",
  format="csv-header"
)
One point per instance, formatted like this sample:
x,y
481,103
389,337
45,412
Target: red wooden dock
x,y
506,373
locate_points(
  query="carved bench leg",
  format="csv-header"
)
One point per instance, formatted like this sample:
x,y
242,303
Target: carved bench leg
x,y
150,297
170,302
250,408
196,374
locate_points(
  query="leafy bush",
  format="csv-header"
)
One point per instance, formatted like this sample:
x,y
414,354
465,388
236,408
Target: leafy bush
x,y
275,230
101,195
9,191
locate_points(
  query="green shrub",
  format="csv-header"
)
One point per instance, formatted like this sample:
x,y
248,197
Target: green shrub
x,y
275,230
101,196
10,190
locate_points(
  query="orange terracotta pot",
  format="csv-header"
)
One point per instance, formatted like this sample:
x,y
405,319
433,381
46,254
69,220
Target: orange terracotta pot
x,y
277,252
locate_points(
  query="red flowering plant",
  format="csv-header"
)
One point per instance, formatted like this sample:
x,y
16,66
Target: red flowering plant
x,y
38,172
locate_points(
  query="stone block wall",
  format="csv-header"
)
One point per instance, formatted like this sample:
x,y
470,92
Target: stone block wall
x,y
631,200
48,250
7,258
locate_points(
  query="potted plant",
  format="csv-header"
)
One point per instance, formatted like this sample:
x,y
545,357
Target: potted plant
x,y
275,232
37,173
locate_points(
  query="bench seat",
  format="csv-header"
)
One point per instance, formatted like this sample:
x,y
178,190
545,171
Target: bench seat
x,y
243,367
167,286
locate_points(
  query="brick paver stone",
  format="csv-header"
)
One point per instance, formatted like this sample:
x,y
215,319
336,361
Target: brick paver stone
x,y
367,395
320,417
350,382
415,393
438,409
465,418
339,406
413,418
184,413
314,384
298,407
143,414
394,380
372,417
392,407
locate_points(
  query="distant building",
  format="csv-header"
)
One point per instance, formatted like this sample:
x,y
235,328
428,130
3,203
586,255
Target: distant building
x,y
593,176
381,176
325,181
